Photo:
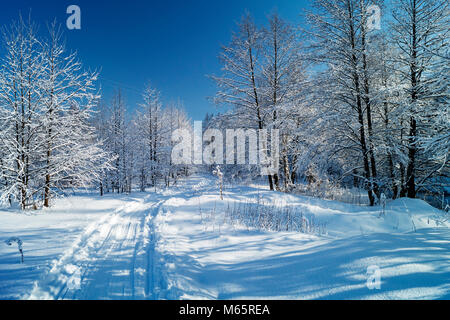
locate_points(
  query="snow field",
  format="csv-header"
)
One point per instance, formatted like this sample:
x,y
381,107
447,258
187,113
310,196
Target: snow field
x,y
179,243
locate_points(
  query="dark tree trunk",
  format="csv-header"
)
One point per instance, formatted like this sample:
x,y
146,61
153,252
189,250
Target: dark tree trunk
x,y
410,171
359,109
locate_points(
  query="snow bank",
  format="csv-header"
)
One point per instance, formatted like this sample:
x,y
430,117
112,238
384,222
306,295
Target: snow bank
x,y
207,258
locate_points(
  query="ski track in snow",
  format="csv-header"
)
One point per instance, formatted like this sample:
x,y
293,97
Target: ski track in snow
x,y
114,259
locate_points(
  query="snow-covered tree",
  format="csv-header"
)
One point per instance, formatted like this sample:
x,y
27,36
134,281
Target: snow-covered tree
x,y
336,40
283,76
21,94
46,101
421,34
240,84
149,124
72,157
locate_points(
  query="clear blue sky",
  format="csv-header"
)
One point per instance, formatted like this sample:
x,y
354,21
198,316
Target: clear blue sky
x,y
172,43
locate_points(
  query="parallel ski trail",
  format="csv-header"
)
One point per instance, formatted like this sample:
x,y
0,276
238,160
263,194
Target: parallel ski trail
x,y
114,259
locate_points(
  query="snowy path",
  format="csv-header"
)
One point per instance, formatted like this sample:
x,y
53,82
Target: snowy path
x,y
114,259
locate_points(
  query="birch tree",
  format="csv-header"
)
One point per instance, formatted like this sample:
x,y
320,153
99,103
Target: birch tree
x,y
421,35
68,99
46,99
240,83
20,96
335,42
283,77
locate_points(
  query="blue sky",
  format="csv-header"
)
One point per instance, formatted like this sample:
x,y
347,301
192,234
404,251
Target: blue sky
x,y
173,44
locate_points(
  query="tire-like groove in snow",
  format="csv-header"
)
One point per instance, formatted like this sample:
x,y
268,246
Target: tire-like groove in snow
x,y
115,258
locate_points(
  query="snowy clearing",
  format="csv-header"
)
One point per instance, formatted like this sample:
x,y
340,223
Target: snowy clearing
x,y
180,244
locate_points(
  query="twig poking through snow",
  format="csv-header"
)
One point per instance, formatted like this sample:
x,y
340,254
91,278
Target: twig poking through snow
x,y
219,175
10,241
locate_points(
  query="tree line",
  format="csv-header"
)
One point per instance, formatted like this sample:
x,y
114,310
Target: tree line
x,y
140,145
355,106
57,134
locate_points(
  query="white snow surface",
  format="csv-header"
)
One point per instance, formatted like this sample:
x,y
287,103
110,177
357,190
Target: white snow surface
x,y
179,244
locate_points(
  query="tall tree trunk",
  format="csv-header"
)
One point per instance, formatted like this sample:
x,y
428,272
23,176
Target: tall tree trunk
x,y
359,109
389,154
49,153
410,171
286,168
255,92
368,104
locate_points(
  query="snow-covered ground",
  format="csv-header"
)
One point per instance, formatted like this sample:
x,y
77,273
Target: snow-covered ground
x,y
181,243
